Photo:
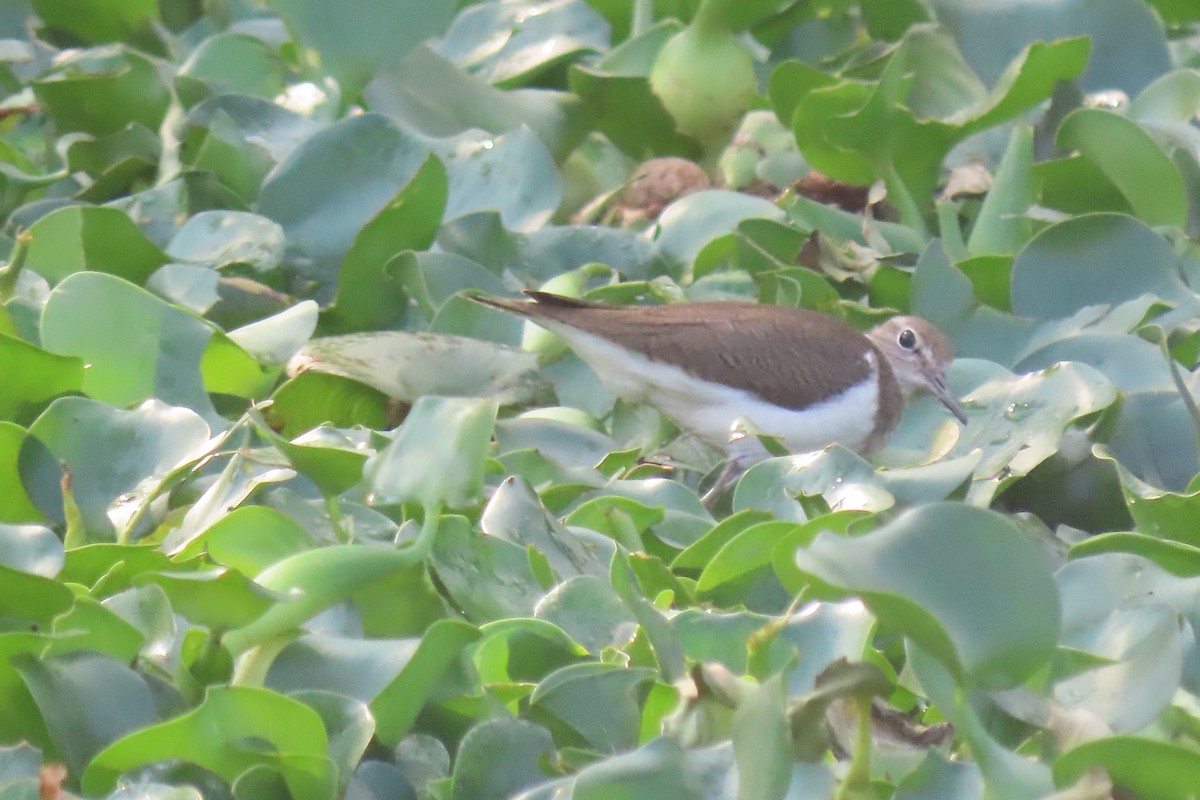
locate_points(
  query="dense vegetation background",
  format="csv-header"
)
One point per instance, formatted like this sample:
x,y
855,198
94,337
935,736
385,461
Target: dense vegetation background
x,y
284,514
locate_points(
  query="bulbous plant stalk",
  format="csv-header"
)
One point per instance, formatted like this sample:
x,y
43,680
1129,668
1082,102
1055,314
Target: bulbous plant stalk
x,y
705,77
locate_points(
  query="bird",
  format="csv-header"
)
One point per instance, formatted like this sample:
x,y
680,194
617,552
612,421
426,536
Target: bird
x,y
804,377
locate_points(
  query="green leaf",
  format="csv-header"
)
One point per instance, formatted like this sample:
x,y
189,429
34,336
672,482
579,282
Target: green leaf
x,y
100,239
498,758
231,63
337,180
33,376
942,574
762,745
100,91
598,702
25,596
123,20
136,346
31,548
1132,160
218,599
1002,226
365,297
222,238
315,579
424,676
88,701
530,44
1093,259
436,456
315,397
213,736
15,503
620,82
352,41
1153,770
240,139
117,460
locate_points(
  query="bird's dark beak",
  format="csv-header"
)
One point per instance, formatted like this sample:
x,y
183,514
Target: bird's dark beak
x,y
938,388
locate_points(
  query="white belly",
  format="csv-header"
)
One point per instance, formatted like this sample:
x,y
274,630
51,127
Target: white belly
x,y
711,411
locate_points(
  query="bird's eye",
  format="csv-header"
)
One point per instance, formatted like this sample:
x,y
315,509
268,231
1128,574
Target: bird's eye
x,y
907,339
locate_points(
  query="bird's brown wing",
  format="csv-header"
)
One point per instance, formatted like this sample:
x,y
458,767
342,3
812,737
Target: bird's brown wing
x,y
792,358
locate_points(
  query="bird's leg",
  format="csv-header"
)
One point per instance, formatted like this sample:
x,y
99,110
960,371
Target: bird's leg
x,y
746,447
731,470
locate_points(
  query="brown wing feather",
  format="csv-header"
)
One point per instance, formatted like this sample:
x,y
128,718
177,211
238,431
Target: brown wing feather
x,y
792,358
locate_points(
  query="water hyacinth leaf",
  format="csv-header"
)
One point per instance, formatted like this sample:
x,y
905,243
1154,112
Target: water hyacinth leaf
x,y
690,223
460,556
436,457
506,44
515,514
1173,97
500,757
620,80
843,478
31,548
590,612
1176,557
408,366
748,551
32,376
349,725
762,744
116,459
599,702
218,599
88,701
1130,694
230,63
26,596
136,346
295,732
1089,260
427,675
240,478
77,238
325,456
513,174
275,339
127,20
334,182
1127,32
252,538
366,297
1002,226
1155,437
1157,512
313,398
351,42
1019,421
220,238
239,139
1130,158
657,769
938,778
943,574
431,94
316,579
1154,770
350,667
100,91
16,507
